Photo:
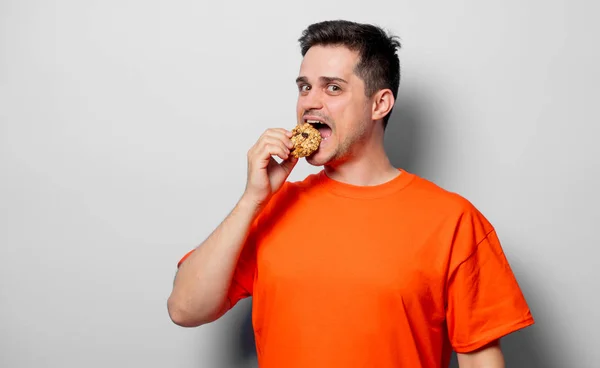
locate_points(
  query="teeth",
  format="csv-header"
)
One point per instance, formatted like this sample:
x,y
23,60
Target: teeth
x,y
313,122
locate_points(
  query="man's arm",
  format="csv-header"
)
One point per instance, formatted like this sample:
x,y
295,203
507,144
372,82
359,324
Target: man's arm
x,y
203,280
201,284
490,356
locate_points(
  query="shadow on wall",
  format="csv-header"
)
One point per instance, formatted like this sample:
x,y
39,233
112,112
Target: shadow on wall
x,y
235,345
247,346
409,136
403,137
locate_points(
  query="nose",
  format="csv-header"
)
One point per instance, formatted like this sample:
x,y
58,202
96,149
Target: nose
x,y
310,101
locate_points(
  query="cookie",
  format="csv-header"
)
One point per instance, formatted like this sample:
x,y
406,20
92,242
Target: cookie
x,y
306,140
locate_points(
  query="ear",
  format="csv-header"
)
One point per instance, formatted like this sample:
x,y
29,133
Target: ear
x,y
383,101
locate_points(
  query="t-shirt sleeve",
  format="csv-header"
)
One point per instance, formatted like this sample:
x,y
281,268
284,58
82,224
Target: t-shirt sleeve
x,y
242,283
484,300
243,275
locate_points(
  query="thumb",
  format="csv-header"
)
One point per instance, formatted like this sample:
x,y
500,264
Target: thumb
x,y
288,165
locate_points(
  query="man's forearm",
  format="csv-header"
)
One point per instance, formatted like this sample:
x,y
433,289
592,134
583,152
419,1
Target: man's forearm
x,y
200,288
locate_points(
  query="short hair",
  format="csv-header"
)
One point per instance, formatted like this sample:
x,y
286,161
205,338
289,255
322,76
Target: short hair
x,y
378,66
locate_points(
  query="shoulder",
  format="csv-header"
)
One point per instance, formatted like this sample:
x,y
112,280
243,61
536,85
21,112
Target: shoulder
x,y
458,222
292,189
442,199
310,181
455,210
288,195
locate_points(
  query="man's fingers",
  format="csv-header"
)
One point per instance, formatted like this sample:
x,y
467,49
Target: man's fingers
x,y
285,132
289,164
278,133
274,149
275,141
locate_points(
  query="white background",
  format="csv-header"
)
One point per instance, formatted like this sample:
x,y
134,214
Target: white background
x,y
123,139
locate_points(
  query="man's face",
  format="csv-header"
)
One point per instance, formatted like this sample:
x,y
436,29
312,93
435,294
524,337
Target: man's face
x,y
331,93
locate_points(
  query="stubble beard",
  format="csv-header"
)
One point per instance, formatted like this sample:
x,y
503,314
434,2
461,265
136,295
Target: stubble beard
x,y
349,147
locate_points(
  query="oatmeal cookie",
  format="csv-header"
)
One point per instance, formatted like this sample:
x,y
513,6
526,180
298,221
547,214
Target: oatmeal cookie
x,y
306,140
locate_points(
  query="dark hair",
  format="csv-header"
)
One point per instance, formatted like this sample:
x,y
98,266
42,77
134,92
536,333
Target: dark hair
x,y
378,66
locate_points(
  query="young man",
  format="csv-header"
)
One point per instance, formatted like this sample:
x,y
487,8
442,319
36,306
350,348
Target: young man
x,y
362,264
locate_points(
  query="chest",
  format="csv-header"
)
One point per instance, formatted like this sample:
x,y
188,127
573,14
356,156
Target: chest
x,y
350,254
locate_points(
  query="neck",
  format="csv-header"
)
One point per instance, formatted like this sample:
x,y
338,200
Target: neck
x,y
367,165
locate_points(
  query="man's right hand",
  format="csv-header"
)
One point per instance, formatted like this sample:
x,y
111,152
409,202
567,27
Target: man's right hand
x,y
265,175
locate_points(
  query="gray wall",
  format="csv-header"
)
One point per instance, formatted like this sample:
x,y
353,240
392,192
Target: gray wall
x,y
124,129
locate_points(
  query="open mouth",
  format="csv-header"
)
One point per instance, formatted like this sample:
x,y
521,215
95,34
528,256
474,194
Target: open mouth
x,y
323,128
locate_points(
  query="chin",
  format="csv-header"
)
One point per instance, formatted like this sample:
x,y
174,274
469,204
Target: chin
x,y
317,159
321,158
325,155
312,160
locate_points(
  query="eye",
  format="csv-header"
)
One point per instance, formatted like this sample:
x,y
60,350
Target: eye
x,y
303,88
333,88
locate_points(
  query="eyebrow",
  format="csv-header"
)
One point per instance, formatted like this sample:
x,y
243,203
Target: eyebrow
x,y
303,79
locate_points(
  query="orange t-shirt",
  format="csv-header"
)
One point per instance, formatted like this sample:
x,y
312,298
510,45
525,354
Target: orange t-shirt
x,y
393,275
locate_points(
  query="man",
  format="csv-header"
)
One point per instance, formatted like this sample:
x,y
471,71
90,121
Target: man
x,y
362,264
